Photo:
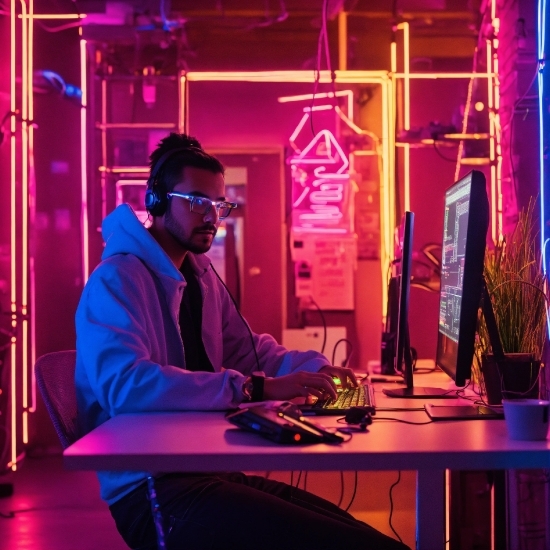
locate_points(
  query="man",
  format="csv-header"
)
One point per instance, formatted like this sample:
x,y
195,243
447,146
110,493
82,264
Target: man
x,y
158,331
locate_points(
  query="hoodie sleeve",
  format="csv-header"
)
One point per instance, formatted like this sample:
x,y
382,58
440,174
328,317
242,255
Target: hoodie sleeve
x,y
123,350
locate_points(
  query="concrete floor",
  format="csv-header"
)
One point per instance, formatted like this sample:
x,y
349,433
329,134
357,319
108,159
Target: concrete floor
x,y
57,509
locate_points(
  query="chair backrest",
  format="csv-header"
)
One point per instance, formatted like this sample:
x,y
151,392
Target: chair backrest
x,y
55,378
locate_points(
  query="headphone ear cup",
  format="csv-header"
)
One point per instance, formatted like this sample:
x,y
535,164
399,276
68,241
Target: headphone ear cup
x,y
154,202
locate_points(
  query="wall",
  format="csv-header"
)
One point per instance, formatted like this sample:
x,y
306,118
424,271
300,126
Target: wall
x,y
56,233
4,230
247,116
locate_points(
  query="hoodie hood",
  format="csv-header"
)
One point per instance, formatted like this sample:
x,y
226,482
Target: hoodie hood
x,y
123,233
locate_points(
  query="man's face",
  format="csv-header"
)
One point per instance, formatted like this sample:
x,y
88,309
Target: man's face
x,y
194,232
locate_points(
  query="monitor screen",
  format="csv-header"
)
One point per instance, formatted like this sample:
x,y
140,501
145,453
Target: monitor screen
x,y
465,225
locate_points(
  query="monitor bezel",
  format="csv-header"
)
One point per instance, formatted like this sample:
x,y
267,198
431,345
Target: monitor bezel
x,y
403,359
455,358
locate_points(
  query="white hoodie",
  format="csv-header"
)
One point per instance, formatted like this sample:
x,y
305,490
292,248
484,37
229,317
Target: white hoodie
x,y
130,354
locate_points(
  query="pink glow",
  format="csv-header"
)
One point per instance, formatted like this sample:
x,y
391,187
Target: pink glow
x,y
320,186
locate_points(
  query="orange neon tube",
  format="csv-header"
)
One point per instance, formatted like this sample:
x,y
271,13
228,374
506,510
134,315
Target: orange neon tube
x,y
103,147
287,76
435,76
182,99
406,115
54,16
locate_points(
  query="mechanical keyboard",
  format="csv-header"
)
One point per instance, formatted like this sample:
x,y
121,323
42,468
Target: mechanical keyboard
x,y
360,396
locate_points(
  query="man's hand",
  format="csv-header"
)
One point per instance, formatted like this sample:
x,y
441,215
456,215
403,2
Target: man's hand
x,y
345,375
301,384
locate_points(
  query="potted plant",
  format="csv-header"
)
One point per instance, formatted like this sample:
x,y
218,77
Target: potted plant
x,y
517,289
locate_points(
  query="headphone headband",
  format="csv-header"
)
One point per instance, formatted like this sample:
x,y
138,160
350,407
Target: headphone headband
x,y
156,200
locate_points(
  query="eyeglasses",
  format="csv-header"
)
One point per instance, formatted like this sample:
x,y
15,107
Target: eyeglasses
x,y
202,205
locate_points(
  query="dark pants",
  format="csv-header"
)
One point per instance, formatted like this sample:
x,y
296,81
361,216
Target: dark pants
x,y
239,512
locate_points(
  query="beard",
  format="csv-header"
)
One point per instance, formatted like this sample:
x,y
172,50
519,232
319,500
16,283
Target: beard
x,y
195,241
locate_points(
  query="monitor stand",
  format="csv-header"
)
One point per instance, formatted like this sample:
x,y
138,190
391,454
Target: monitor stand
x,y
411,391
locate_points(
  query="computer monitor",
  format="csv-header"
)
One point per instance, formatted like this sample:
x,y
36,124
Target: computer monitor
x,y
403,359
465,227
389,334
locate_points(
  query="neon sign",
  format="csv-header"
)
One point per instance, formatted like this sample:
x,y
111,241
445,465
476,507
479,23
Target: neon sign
x,y
320,187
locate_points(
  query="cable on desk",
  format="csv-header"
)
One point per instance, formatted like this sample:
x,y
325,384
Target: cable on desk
x,y
399,409
391,505
401,420
354,492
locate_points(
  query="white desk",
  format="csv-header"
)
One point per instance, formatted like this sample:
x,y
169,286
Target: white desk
x,y
207,442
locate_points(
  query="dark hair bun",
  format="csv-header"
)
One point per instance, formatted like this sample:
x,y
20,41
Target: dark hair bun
x,y
188,141
180,141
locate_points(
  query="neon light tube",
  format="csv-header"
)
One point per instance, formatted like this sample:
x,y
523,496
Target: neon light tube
x,y
53,16
103,148
124,169
305,97
24,208
115,125
541,23
182,111
324,95
373,77
342,40
13,242
435,76
27,98
318,108
83,165
31,326
406,76
296,132
385,206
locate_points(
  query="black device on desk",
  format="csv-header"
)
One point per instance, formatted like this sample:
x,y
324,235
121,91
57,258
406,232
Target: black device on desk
x,y
462,412
284,424
465,226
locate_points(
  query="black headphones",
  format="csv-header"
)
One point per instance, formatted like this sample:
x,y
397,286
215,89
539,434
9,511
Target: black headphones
x,y
156,198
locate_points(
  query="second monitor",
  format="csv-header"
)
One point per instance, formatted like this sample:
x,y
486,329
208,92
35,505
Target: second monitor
x,y
466,221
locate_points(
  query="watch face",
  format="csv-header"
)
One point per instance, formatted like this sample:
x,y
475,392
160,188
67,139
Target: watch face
x,y
248,386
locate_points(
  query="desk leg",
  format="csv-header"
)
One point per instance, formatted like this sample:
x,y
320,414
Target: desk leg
x,y
430,509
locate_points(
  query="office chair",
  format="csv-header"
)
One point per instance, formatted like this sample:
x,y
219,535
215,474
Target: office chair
x,y
55,378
